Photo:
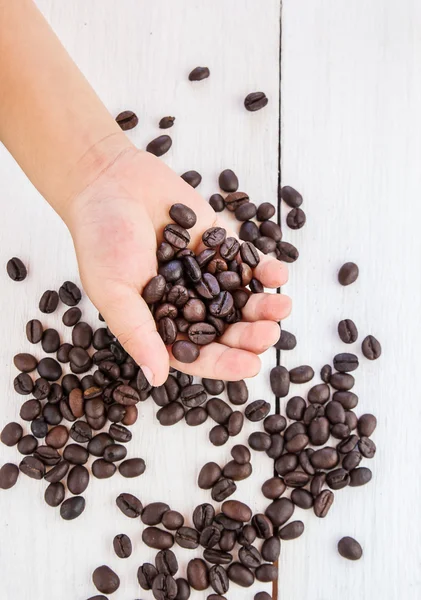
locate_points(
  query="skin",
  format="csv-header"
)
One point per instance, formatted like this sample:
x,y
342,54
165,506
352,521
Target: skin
x,y
114,199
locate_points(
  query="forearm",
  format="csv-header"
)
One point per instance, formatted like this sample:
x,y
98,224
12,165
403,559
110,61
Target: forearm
x,y
51,120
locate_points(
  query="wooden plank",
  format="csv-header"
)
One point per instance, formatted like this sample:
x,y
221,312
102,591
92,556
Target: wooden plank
x,y
351,93
137,55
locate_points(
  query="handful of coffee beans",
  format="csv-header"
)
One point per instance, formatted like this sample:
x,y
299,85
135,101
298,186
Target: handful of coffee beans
x,y
197,295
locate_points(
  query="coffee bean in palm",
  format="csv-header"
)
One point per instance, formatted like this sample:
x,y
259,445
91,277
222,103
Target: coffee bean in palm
x,y
286,252
214,237
255,101
237,472
160,145
246,211
54,494
240,574
16,269
155,288
185,351
249,232
302,498
371,347
165,252
183,215
348,273
105,580
8,476
366,425
322,503
32,467
319,431
342,381
279,381
217,202
249,254
201,333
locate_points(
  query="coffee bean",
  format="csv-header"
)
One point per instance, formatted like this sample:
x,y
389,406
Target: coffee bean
x,y
360,476
69,293
249,254
57,437
296,218
293,430
115,453
154,289
302,498
337,479
266,573
319,431
16,269
166,122
25,362
290,196
172,520
345,362
217,202
127,120
348,444
209,475
245,211
350,548
105,580
171,414
58,472
265,244
122,545
199,73
75,454
366,425
201,333
304,460
48,302
367,447
132,467
210,536
347,331
214,237
23,384
255,101
81,432
27,444
371,347
193,178
351,460
347,399
292,531
185,352
286,252
317,483
286,464
279,381
265,211
183,215
129,505
198,574
223,489
326,458
218,435
240,575
262,596
236,510
102,469
187,537
8,476
32,467
31,409
322,503
273,488
213,386
165,252
287,341
78,480
228,181
259,441
72,316
342,381
146,574
235,423
271,230
263,526
218,557
54,494
160,145
249,231
301,374
295,408
319,394
280,511
250,557
48,456
348,273
11,434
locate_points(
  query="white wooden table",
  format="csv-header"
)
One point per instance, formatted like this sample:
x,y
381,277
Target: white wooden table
x,y
351,123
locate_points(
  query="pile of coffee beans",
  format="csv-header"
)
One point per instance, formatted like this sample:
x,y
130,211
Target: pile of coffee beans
x,y
198,295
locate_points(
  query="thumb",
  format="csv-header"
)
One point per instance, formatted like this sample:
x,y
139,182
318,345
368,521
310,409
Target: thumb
x,y
129,318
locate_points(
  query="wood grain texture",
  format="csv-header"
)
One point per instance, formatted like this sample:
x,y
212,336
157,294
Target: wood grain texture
x,y
137,55
351,91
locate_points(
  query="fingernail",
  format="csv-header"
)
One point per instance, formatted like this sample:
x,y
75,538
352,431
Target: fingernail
x,y
148,374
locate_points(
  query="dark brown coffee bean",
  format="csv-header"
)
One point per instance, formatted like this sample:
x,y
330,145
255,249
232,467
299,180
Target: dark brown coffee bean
x,y
342,381
160,145
257,410
198,574
319,431
58,472
214,237
127,120
48,456
262,596
166,122
34,331
292,531
280,511
72,316
193,178
286,463
301,374
48,302
360,476
286,252
146,574
201,333
295,408
69,293
266,573
223,489
296,479
8,476
366,425
81,432
218,410
25,362
26,444
347,331
259,441
348,444
279,381
172,520
371,347
50,340
54,494
319,394
302,498
218,435
57,437
196,416
165,252
30,410
335,412
351,460
75,454
350,548
255,101
132,467
32,467
209,474
249,232
115,453
176,235
11,434
287,341
183,215
126,395
290,196
322,503
296,218
297,443
249,254
129,505
337,479
78,480
122,545
213,386
228,181
237,472
199,73
102,469
240,574
273,488
236,199
185,352
271,230
236,510
265,244
16,269
348,273
345,362
235,423
217,202
326,458
154,290
265,211
347,399
23,383
245,211
250,557
367,447
105,580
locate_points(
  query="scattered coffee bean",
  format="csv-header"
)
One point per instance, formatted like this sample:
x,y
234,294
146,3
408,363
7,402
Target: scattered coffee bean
x,y
371,347
347,331
127,120
8,476
350,548
322,503
105,580
160,145
199,73
348,273
255,101
291,197
193,178
166,122
296,218
217,202
16,269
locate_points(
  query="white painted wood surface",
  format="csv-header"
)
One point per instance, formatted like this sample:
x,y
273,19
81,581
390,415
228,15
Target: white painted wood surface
x,y
351,93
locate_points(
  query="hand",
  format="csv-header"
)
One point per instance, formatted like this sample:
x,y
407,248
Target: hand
x,y
115,223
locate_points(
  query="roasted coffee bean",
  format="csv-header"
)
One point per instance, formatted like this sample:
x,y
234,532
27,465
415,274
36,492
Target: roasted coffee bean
x,y
72,316
304,460
155,288
122,545
236,199
290,196
25,362
193,178
286,252
249,254
223,489
146,574
116,412
98,443
350,548
263,526
371,347
271,230
102,338
183,215
348,273
119,433
295,408
193,395
325,373
218,410
280,511
262,596
347,331
256,286
367,447
340,431
217,557
240,574
302,498
348,400
322,503
228,181
23,383
273,488
235,423
210,536
265,211
213,386
105,580
160,395
198,574
286,463
57,437
296,479
48,456
81,432
245,211
249,232
199,73
78,479
237,472
317,483
342,381
217,202
229,248
348,445
265,244
160,145
127,120
345,362
366,425
326,458
274,423
185,351
132,467
337,479
292,531
129,505
319,394
94,408
58,472
257,410
41,389
194,310
39,427
218,323
250,557
351,461
54,494
319,431
296,218
32,467
255,101
115,453
102,469
271,549
16,269
360,476
297,443
196,416
238,511
183,589
8,476
214,237
209,474
63,353
166,562
266,573
170,414
75,454
82,335
34,331
69,383
218,435
279,381
126,395
241,454
153,513
69,293
259,441
166,122
50,340
48,302
27,444
165,252
301,374
227,542
335,412
293,430
201,333
31,409
187,537
172,520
